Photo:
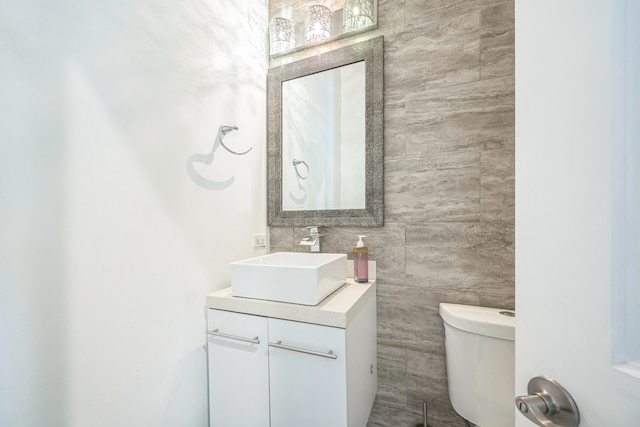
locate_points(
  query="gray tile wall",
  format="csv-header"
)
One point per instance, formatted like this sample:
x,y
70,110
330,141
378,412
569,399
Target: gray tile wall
x,y
449,189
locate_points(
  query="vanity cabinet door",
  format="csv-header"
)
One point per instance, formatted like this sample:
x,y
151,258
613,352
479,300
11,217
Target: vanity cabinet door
x,y
307,388
238,369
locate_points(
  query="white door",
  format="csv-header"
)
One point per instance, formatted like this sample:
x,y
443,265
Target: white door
x,y
577,258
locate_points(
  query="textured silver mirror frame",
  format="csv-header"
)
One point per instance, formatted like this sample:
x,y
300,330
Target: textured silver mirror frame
x,y
371,51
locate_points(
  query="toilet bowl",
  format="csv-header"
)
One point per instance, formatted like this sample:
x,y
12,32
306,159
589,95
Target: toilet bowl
x,y
480,357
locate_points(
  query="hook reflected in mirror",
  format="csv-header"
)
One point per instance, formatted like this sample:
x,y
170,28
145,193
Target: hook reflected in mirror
x,y
297,162
303,198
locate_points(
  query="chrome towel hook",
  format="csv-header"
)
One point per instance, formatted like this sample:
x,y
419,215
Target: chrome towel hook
x,y
207,159
222,131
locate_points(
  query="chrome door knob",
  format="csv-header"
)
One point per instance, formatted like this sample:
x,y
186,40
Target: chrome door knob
x,y
548,404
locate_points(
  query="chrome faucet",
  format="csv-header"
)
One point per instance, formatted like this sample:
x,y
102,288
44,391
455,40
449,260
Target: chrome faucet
x,y
313,240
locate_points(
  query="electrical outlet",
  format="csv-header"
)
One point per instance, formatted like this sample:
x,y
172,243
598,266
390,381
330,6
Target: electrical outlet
x,y
259,240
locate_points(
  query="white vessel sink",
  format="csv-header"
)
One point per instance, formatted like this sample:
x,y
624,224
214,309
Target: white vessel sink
x,y
299,278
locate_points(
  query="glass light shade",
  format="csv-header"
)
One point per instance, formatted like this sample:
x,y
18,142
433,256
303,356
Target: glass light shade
x,y
282,35
357,14
318,23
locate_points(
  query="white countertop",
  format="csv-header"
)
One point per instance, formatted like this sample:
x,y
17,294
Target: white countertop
x,y
337,310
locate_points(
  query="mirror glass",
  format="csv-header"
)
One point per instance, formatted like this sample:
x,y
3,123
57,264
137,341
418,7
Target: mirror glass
x,y
325,123
323,140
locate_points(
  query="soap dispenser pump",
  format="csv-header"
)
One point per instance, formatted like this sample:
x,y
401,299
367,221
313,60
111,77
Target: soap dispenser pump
x,y
360,261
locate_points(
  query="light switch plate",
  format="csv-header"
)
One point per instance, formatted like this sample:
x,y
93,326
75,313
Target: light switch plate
x,y
259,240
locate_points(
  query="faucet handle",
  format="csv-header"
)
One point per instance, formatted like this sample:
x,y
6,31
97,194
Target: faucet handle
x,y
313,229
314,238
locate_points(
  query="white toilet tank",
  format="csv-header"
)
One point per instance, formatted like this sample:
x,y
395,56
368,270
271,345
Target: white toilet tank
x,y
480,353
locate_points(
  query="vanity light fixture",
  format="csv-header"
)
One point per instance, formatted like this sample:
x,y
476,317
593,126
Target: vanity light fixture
x,y
318,23
357,14
282,35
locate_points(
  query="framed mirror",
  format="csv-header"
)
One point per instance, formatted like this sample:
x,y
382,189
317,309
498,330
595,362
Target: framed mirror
x,y
325,139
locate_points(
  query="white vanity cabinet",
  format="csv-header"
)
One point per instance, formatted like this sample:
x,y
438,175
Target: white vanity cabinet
x,y
313,366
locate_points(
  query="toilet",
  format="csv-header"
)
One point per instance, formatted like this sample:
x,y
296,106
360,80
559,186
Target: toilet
x,y
480,355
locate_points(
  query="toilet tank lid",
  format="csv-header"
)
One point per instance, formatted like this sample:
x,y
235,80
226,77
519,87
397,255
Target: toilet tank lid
x,y
480,320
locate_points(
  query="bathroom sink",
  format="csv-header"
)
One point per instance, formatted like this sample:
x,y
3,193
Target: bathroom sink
x,y
299,278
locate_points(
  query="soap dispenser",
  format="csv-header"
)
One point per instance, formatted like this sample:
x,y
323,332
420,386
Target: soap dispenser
x,y
360,261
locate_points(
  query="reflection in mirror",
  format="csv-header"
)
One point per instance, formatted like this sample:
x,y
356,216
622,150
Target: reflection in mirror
x,y
325,130
323,122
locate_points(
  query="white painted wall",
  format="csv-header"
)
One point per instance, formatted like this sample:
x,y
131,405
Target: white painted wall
x,y
107,248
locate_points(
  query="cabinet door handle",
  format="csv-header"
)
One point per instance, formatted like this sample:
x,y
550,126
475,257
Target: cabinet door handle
x,y
279,344
216,333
